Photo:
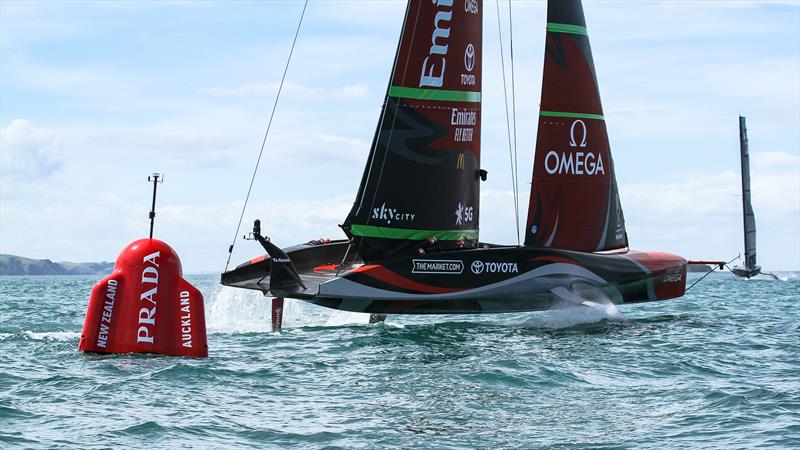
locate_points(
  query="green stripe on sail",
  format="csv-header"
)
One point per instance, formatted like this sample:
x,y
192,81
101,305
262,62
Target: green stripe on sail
x,y
566,28
435,94
413,235
573,115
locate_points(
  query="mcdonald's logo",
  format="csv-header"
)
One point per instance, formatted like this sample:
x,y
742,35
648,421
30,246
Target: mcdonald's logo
x,y
460,162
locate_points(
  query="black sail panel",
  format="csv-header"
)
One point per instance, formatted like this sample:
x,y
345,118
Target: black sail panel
x,y
422,177
748,216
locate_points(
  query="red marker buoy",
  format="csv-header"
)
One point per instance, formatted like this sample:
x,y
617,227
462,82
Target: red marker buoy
x,y
145,305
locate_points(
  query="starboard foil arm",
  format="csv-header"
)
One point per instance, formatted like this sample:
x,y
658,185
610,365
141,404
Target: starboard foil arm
x,y
291,272
283,275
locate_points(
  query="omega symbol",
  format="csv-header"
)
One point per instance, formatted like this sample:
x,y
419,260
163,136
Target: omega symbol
x,y
572,141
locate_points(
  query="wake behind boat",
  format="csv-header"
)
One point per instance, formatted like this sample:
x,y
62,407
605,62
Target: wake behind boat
x,y
412,243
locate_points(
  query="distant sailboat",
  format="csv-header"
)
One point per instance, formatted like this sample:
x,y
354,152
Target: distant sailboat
x,y
750,268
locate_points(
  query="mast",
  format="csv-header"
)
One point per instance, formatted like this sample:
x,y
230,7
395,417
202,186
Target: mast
x,y
155,178
748,216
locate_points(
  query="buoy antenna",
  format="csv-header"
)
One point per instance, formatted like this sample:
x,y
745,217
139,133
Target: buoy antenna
x,y
155,178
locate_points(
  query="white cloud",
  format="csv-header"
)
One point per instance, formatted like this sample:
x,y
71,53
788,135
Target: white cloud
x,y
29,152
317,149
776,183
24,23
704,198
94,80
699,214
696,215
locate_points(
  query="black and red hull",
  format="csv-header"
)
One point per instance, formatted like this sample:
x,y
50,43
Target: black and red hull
x,y
484,280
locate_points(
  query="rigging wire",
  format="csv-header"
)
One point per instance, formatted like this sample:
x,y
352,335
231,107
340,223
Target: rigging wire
x,y
709,273
508,122
701,279
514,115
266,134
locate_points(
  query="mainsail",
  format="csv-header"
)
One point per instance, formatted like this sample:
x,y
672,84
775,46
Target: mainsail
x,y
748,216
574,203
421,180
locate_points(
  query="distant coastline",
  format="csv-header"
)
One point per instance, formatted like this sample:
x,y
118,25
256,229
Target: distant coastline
x,y
19,265
699,268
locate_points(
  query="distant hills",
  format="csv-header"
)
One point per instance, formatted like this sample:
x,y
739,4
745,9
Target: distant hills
x,y
699,268
19,265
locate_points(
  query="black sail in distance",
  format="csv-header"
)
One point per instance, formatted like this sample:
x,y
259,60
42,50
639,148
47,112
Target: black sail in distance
x,y
748,216
421,179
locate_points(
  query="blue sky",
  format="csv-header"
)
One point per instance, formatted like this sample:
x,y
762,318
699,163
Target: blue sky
x,y
96,96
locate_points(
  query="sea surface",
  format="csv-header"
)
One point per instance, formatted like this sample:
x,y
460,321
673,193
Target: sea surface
x,y
718,368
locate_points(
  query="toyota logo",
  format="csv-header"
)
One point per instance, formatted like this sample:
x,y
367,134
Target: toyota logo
x,y
469,58
477,267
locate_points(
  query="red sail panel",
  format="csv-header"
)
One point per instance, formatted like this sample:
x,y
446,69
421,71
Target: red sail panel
x,y
574,203
422,177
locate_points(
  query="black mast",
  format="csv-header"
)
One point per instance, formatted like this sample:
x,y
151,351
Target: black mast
x,y
748,216
155,178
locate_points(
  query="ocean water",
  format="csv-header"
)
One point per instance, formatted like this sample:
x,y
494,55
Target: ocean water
x,y
718,368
